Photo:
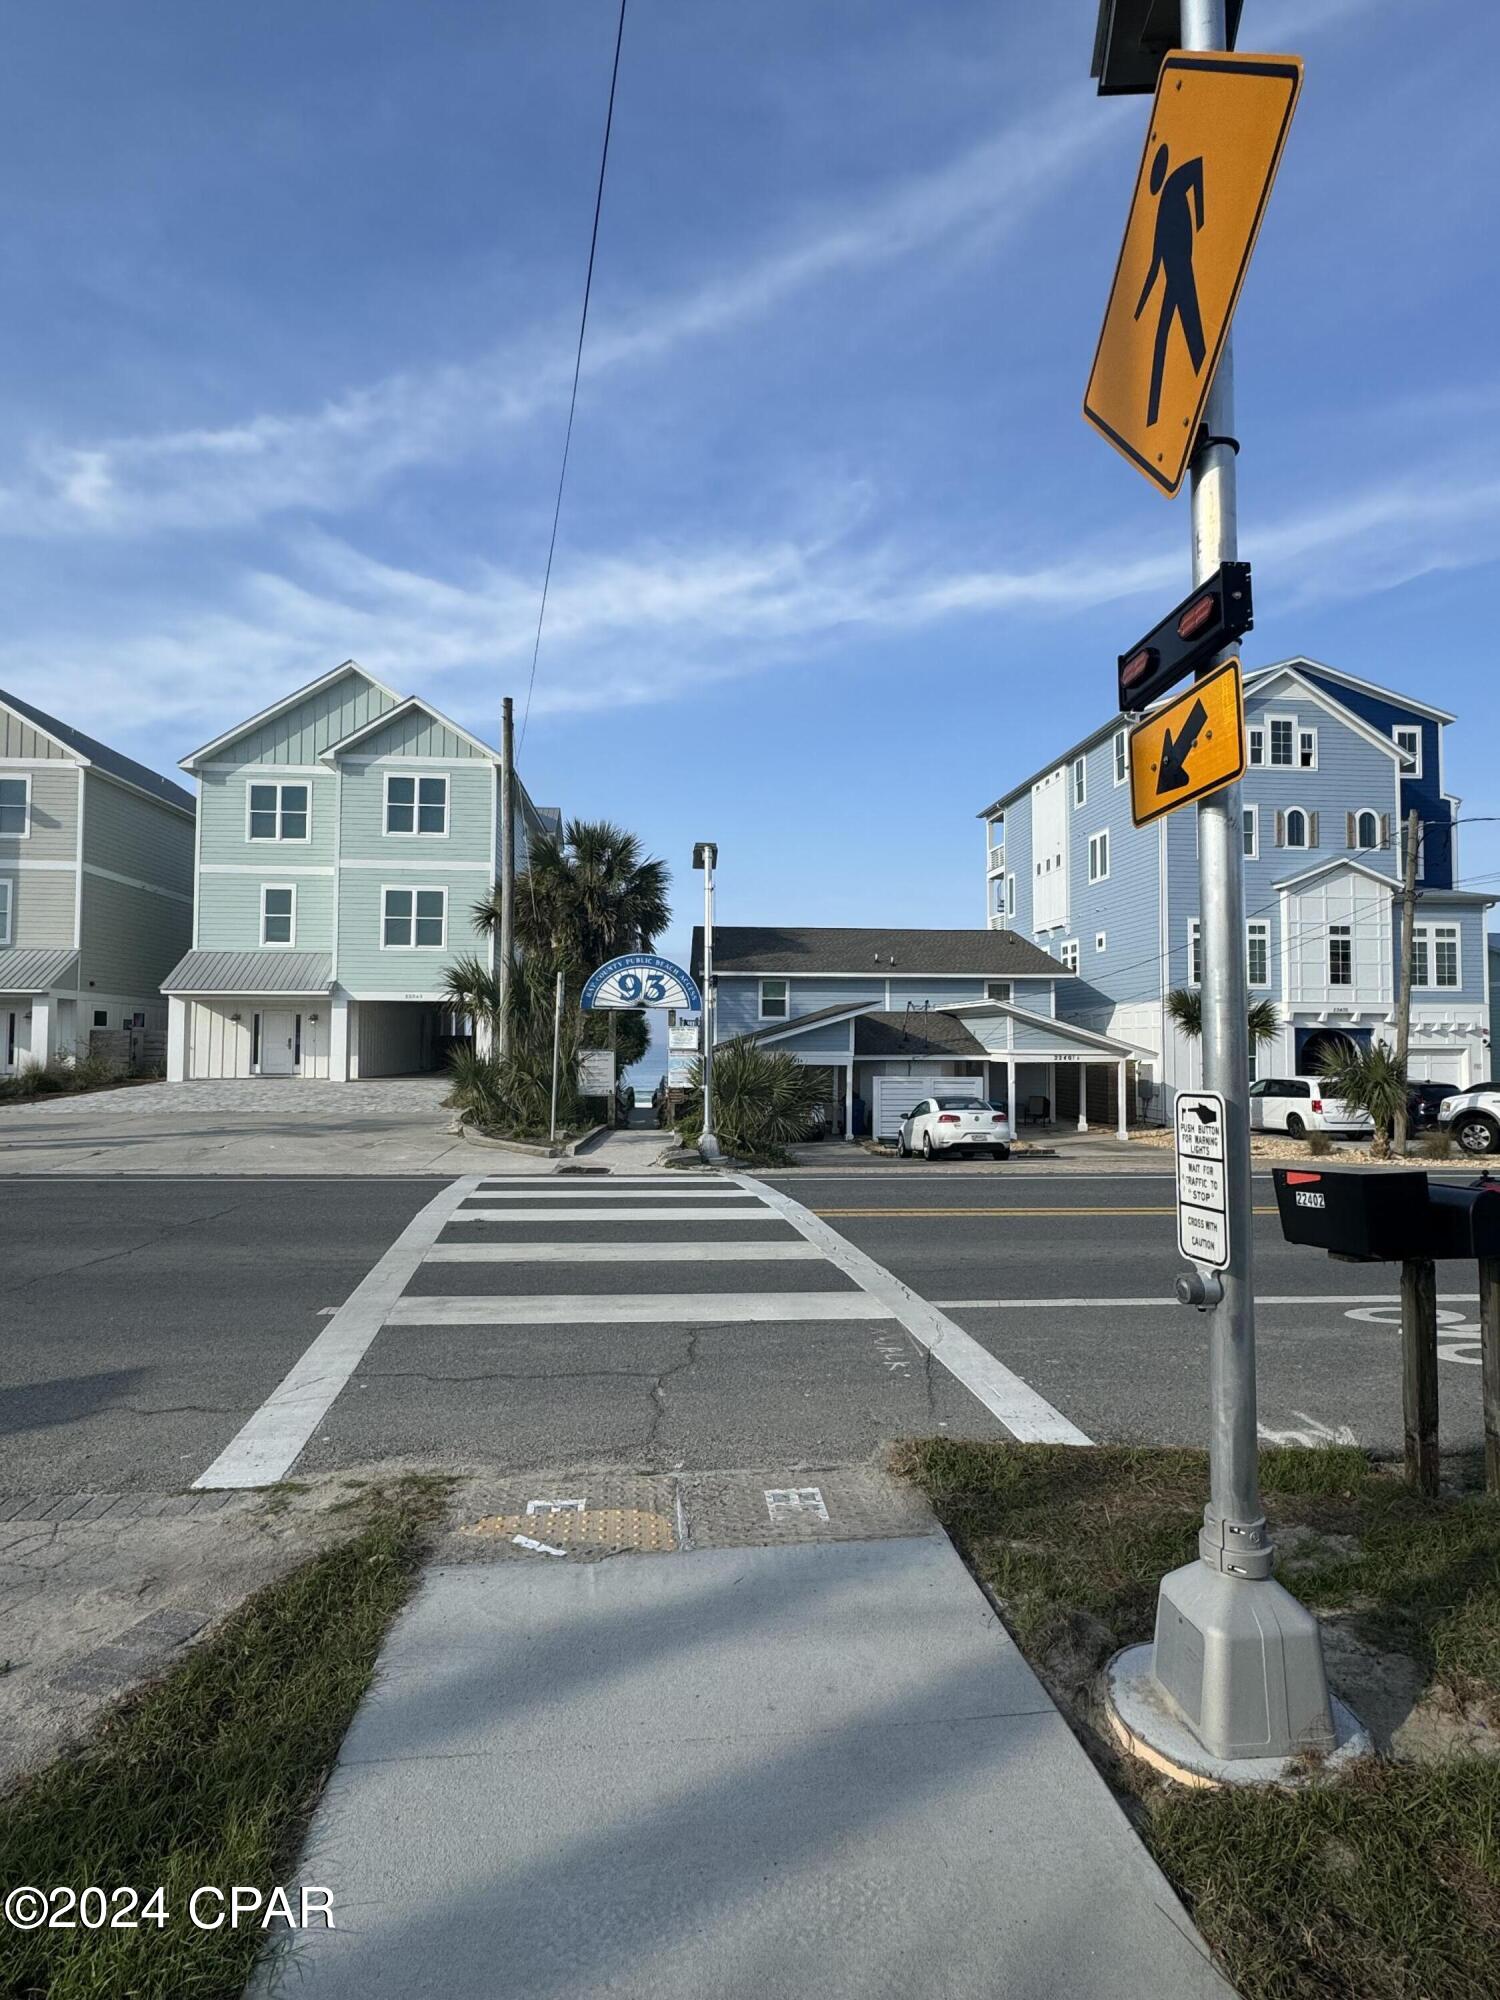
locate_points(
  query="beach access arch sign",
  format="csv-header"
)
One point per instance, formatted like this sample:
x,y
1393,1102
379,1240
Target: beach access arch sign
x,y
1218,128
641,979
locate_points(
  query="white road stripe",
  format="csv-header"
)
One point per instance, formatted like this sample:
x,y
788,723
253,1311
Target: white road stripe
x,y
643,1309
1165,1299
634,1194
611,1215
270,1443
1024,1413
624,1253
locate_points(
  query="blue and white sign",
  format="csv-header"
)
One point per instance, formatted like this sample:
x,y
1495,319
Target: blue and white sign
x,y
641,979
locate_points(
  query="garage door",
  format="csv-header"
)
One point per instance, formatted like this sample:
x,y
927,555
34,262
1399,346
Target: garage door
x,y
1436,1066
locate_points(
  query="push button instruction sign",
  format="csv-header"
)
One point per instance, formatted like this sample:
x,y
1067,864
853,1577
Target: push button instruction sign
x,y
1202,1209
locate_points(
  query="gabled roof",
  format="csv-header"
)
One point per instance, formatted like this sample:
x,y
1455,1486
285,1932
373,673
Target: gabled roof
x,y
1068,1029
88,750
1260,681
279,707
801,952
1391,882
1367,687
935,1031
412,705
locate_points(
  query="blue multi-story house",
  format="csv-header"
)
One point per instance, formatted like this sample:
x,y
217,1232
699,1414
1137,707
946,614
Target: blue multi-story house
x,y
1336,766
344,836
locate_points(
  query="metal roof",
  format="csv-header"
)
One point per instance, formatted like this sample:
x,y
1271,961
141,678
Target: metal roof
x,y
874,954
111,762
290,972
34,970
921,1032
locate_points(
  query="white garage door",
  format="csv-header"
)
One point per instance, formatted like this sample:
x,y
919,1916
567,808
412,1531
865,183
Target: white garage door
x,y
895,1096
1435,1066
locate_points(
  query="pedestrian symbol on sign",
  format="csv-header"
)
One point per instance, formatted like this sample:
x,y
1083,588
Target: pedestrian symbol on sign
x,y
1179,216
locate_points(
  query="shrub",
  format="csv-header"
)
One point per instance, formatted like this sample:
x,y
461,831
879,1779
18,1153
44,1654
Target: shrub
x,y
1437,1145
764,1099
1369,1080
1319,1145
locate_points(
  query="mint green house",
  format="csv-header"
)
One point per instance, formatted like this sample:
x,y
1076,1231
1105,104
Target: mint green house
x,y
344,836
96,885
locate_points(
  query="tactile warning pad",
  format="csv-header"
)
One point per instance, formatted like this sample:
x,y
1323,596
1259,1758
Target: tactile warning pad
x,y
726,1510
584,1516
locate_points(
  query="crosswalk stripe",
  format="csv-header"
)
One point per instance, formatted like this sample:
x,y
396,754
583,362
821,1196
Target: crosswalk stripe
x,y
634,1194
757,1214
625,1253
699,1308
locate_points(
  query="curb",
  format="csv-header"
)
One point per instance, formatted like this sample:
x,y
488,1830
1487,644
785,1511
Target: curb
x,y
537,1152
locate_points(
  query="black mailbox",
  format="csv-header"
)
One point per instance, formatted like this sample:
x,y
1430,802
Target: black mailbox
x,y
1379,1217
1372,1217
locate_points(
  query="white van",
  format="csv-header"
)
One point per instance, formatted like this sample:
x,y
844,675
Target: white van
x,y
1300,1104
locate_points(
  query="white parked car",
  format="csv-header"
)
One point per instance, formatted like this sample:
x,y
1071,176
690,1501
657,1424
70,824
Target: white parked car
x,y
941,1125
1299,1104
1473,1117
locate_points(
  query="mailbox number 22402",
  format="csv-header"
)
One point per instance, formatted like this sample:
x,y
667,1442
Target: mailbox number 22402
x,y
1309,1198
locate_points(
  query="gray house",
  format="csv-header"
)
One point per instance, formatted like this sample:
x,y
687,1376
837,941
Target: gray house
x,y
96,886
884,1015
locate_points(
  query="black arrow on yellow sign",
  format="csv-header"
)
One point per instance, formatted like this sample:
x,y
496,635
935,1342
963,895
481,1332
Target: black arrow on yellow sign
x,y
1176,750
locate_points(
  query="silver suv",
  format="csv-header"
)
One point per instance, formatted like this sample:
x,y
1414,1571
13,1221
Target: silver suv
x,y
1473,1117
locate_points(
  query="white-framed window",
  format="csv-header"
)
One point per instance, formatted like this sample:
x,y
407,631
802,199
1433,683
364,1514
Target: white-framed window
x,y
1436,961
1122,756
1258,952
1307,749
1365,829
1299,828
416,805
1080,781
775,1000
1010,895
278,913
1257,737
15,807
277,811
1099,855
1283,730
1341,955
413,919
6,887
1069,954
997,989
1101,941
1250,831
1408,739
1195,952
101,1017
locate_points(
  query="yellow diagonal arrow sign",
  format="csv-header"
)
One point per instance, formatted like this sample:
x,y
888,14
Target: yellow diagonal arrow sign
x,y
1193,746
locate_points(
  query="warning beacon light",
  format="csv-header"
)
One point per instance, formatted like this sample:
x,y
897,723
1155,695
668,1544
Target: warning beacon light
x,y
1187,640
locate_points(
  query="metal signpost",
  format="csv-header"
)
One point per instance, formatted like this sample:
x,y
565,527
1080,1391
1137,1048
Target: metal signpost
x,y
1236,1669
706,857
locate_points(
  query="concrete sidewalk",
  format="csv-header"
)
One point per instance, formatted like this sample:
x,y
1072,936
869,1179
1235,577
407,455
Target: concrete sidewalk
x,y
751,1773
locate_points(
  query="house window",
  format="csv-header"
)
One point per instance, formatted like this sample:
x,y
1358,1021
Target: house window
x,y
1307,749
997,989
278,914
1101,942
277,812
414,918
1298,828
1122,757
1340,955
775,1001
15,806
1409,743
1250,831
1283,739
1435,956
1257,746
1099,856
1070,955
1366,831
1258,953
101,1017
1080,780
5,889
1195,953
415,805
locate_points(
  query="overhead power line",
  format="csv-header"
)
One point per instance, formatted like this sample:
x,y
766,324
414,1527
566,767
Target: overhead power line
x,y
583,320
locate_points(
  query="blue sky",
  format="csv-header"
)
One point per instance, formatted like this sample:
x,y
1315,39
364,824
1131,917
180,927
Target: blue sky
x,y
292,293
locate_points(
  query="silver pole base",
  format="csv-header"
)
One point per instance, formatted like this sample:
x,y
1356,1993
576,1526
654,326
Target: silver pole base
x,y
1239,1663
708,1147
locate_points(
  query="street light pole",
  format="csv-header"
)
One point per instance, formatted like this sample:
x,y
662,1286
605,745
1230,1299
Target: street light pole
x,y
705,856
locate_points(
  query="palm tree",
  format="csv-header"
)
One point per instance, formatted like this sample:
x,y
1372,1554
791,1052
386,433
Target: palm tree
x,y
585,895
1369,1080
1185,1007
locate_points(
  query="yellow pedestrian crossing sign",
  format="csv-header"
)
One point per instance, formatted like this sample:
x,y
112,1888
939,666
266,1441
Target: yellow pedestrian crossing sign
x,y
1218,127
1193,746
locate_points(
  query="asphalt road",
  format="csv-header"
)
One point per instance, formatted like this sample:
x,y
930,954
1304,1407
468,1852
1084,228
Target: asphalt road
x,y
149,1321
1069,1283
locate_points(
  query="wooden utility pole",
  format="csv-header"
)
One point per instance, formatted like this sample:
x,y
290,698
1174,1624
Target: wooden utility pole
x,y
507,865
1419,1376
1408,938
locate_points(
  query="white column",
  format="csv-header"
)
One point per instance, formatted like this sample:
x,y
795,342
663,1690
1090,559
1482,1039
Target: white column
x,y
176,1038
40,1034
849,1101
1123,1129
341,1022
1012,1108
1083,1097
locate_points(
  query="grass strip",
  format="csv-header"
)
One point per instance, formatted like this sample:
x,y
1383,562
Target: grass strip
x,y
1384,1882
208,1776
